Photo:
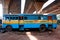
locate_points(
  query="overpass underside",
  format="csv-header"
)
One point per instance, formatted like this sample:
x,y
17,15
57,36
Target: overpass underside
x,y
14,6
53,8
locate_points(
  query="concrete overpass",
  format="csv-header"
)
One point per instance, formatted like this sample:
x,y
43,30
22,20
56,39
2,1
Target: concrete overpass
x,y
34,5
14,6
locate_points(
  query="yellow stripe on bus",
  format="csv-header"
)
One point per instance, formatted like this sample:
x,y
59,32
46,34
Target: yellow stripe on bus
x,y
28,21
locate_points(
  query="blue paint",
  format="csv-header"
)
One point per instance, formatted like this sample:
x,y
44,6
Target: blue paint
x,y
29,17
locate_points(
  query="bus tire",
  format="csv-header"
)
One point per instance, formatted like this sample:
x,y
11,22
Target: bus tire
x,y
8,28
42,28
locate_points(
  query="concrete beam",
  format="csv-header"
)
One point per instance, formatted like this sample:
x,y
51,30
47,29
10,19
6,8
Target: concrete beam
x,y
52,7
31,8
55,10
38,5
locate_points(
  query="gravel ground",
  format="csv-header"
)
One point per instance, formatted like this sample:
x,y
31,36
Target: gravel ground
x,y
31,35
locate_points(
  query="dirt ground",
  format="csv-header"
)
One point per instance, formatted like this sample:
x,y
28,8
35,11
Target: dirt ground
x,y
31,35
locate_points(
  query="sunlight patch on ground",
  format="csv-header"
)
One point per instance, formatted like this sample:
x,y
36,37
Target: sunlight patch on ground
x,y
31,37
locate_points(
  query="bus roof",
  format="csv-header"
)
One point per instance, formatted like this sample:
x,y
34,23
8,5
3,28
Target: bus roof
x,y
28,14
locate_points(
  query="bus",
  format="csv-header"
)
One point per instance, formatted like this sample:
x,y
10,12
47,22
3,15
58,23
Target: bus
x,y
29,21
0,23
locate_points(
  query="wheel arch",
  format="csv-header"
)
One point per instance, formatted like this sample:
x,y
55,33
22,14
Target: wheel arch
x,y
43,25
8,25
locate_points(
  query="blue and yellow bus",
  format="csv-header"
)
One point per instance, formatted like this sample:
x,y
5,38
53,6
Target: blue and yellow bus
x,y
29,21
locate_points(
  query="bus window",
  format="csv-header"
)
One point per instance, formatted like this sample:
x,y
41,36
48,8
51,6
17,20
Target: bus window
x,y
25,18
0,21
44,17
54,17
39,17
7,18
11,18
4,18
16,18
20,18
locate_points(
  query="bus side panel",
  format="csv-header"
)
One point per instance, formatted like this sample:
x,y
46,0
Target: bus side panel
x,y
4,25
14,26
31,25
12,23
34,25
54,26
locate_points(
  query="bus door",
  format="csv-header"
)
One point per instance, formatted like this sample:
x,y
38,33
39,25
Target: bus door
x,y
20,22
50,19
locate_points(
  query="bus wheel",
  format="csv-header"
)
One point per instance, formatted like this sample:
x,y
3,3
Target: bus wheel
x,y
8,28
42,28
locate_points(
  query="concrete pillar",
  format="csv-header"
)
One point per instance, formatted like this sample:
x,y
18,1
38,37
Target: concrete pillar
x,y
5,6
